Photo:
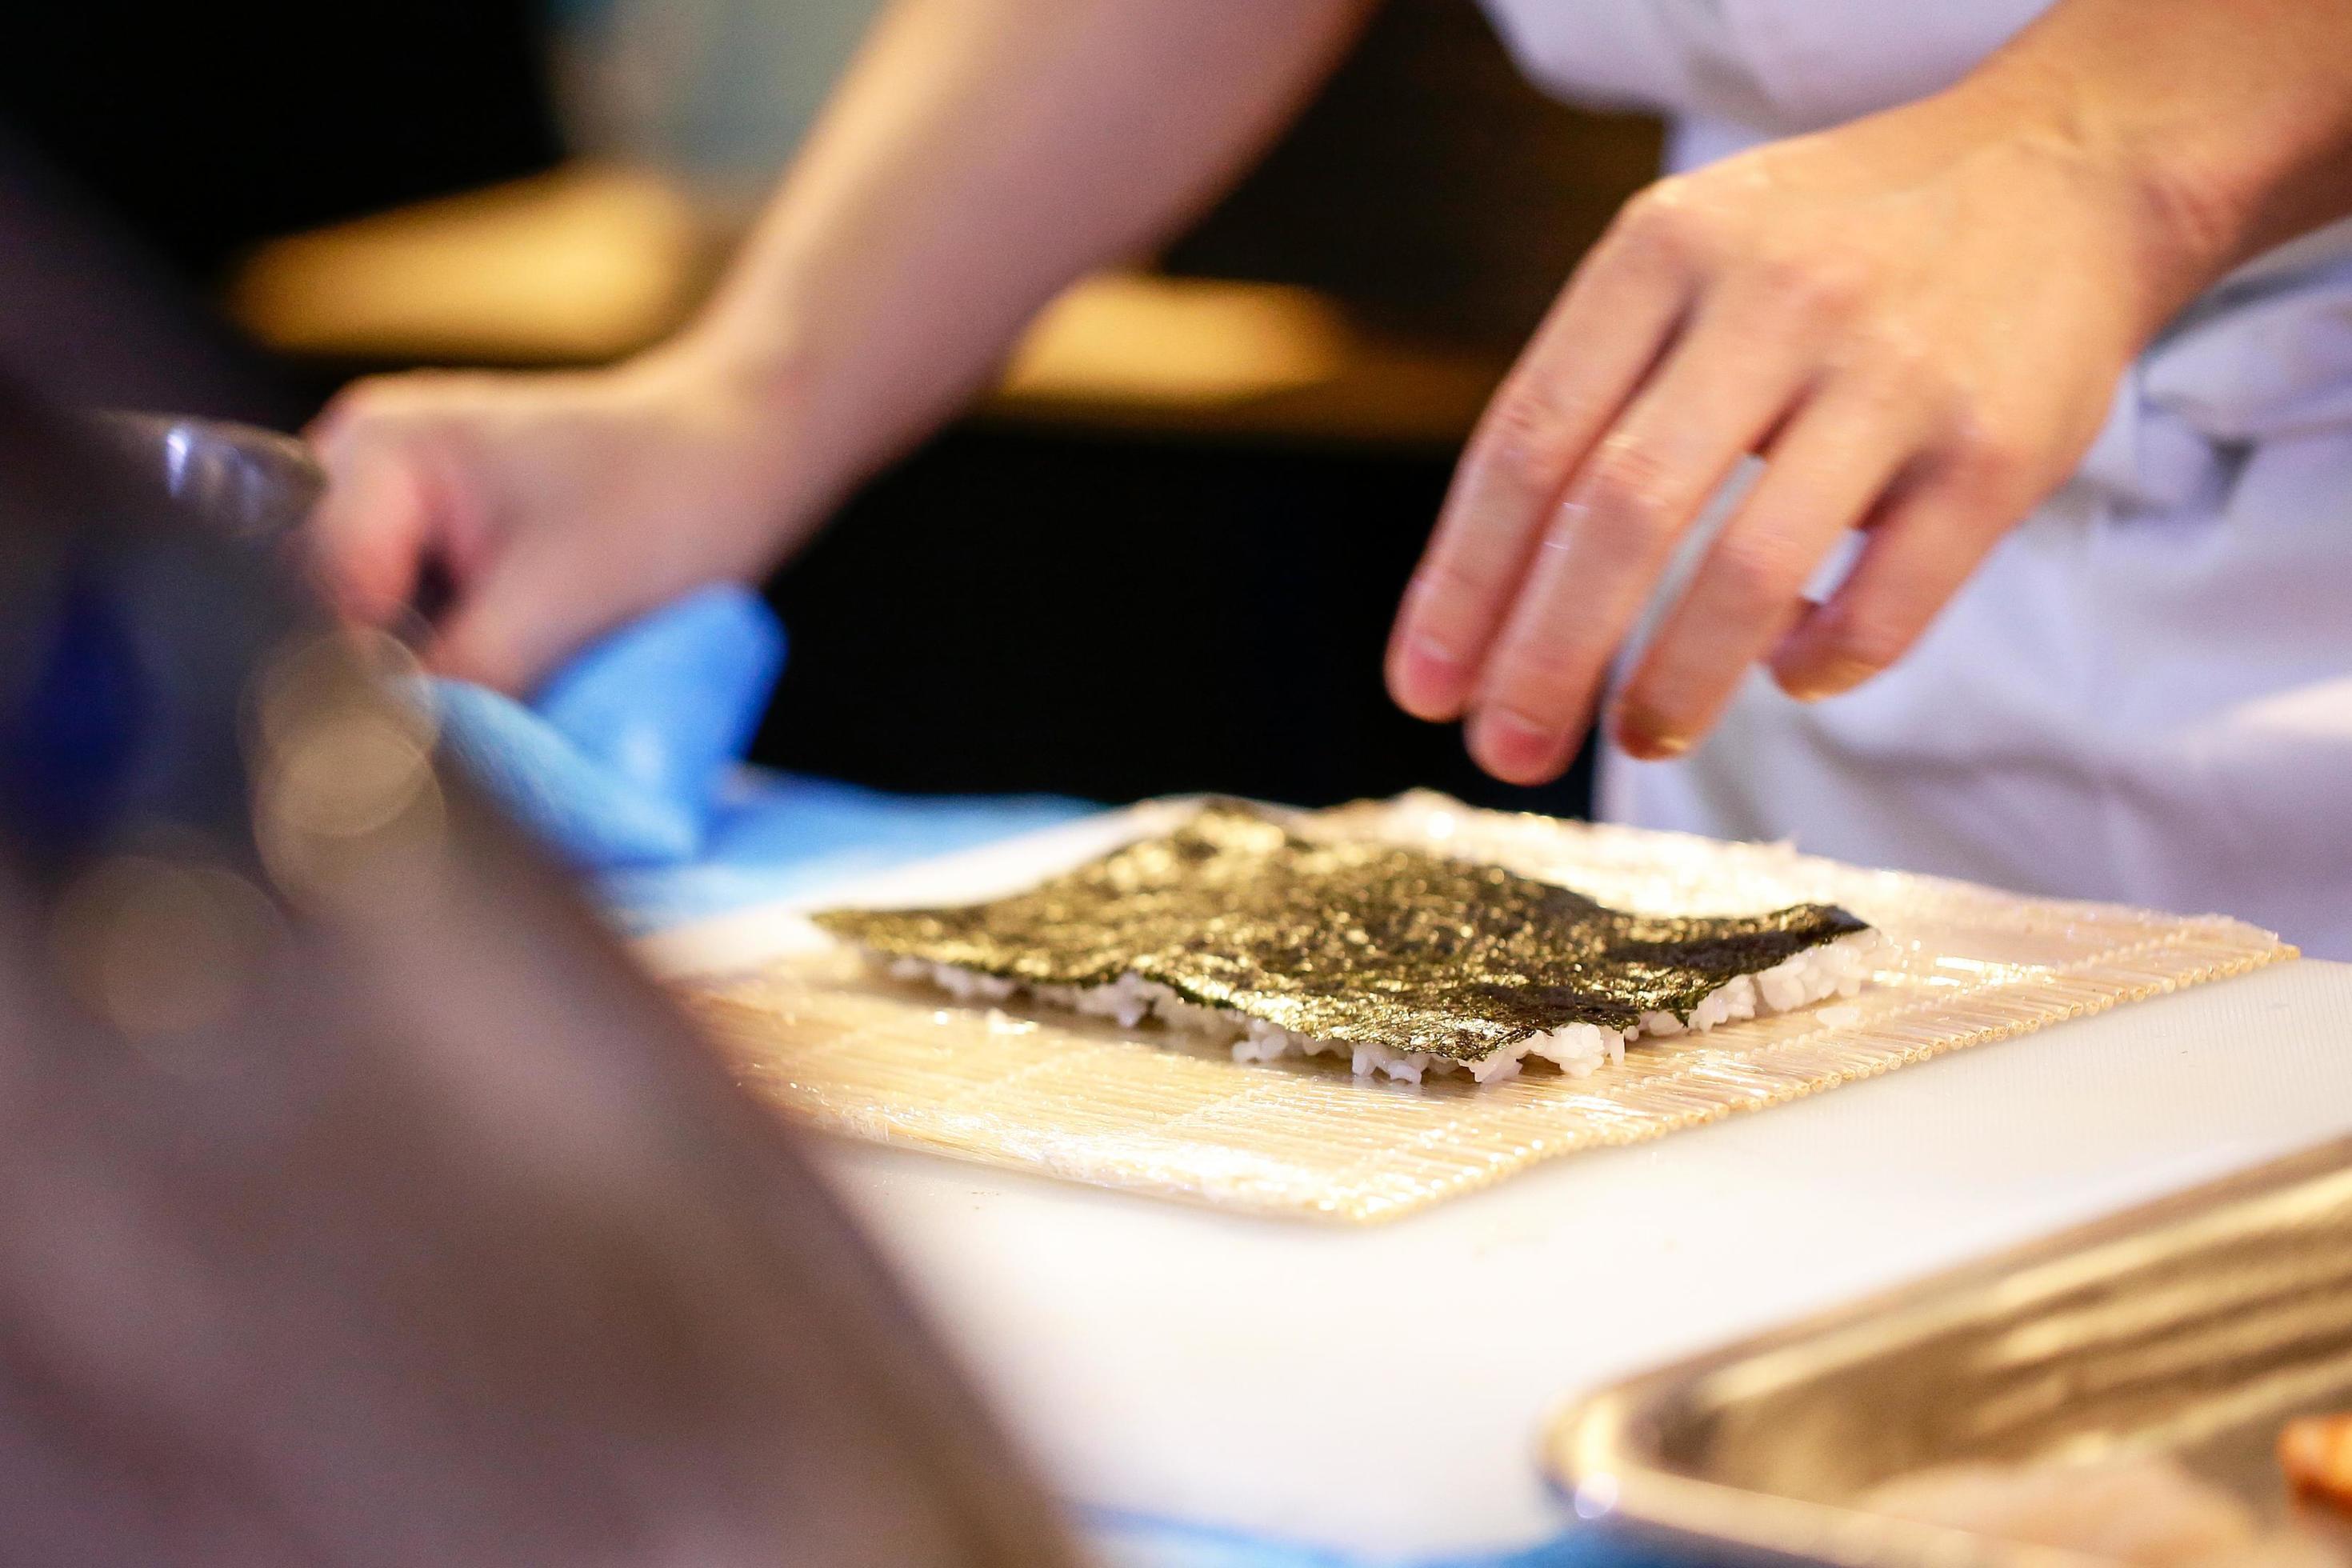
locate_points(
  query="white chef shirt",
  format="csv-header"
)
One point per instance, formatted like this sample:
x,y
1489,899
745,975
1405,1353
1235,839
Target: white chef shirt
x,y
2146,693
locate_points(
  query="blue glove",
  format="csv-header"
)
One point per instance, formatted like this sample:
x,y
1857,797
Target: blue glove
x,y
618,760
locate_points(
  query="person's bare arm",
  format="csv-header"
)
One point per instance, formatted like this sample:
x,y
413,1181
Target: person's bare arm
x,y
980,154
1918,320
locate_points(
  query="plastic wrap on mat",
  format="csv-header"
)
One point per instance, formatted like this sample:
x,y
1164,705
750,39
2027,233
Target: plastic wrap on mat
x,y
1154,1110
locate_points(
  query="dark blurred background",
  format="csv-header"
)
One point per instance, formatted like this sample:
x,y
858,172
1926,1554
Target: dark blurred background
x,y
1161,557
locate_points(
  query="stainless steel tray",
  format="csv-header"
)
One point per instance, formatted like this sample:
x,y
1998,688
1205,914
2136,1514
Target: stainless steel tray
x,y
2193,1326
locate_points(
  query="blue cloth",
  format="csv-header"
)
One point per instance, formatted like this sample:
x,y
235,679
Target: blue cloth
x,y
772,835
1124,1539
627,764
618,760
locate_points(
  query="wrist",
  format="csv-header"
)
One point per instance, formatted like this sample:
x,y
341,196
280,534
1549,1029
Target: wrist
x,y
762,369
769,435
2211,132
2148,209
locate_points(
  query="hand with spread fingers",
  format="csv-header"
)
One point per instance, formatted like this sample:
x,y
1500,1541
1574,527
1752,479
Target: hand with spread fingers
x,y
1917,320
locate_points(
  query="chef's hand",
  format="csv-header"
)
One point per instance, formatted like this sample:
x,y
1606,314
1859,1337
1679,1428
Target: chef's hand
x,y
1917,320
554,506
978,155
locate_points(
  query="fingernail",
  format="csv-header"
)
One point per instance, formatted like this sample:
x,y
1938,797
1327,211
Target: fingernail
x,y
1424,655
1429,677
1838,679
1511,745
1645,739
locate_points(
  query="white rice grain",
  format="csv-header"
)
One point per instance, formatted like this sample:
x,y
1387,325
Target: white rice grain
x,y
1837,968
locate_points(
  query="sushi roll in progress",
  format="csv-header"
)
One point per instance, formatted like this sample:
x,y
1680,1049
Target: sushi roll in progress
x,y
1400,960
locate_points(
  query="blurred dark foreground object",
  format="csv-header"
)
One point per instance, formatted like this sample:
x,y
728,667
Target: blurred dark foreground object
x,y
358,1202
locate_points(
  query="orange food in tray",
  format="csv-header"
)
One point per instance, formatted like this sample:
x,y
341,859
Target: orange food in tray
x,y
2316,1452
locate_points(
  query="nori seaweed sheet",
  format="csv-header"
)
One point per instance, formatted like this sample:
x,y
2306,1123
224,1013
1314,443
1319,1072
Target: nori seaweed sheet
x,y
1353,940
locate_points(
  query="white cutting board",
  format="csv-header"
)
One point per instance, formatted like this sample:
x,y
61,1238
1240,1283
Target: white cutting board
x,y
1381,1390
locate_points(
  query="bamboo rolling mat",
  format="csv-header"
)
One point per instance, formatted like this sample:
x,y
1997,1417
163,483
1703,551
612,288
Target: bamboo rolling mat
x,y
1156,1111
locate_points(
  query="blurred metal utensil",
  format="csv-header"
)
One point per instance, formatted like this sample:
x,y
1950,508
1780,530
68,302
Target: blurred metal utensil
x,y
255,484
2194,1327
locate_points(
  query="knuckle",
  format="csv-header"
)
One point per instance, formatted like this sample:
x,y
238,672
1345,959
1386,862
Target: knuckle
x,y
1757,571
1663,223
1812,287
1892,391
369,418
1452,581
1519,437
350,401
1539,671
1899,360
1627,500
348,417
1989,457
1864,638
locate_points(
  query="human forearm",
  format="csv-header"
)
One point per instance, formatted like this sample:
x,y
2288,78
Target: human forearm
x,y
980,154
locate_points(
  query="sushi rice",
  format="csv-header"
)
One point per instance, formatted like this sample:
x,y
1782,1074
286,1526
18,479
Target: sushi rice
x,y
1837,968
